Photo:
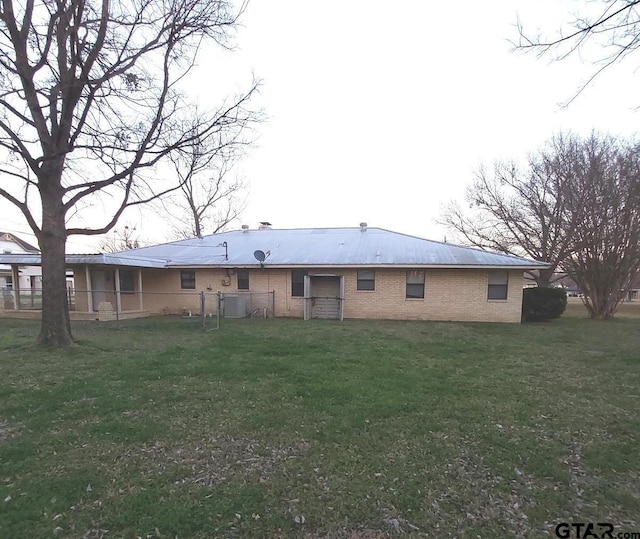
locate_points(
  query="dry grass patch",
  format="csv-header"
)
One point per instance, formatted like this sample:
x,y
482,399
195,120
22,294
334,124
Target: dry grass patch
x,y
212,461
9,430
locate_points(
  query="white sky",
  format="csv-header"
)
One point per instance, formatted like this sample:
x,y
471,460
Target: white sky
x,y
381,111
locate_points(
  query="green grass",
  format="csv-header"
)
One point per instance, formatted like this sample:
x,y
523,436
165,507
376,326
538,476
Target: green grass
x,y
627,309
153,428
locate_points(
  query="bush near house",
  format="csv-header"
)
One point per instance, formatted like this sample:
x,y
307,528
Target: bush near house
x,y
539,303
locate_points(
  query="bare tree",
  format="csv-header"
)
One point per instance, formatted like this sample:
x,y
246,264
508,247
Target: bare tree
x,y
576,206
520,210
121,240
613,30
91,101
209,199
606,194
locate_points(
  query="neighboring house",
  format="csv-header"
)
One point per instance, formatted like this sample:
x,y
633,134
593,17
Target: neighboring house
x,y
569,285
28,277
311,273
573,290
634,291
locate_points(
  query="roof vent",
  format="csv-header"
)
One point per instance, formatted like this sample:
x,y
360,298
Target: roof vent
x,y
245,229
264,225
363,227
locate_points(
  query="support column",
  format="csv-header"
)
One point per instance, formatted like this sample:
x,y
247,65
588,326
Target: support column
x,y
117,283
89,288
15,274
141,304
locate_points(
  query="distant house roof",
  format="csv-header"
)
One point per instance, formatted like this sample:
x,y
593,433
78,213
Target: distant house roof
x,y
304,247
8,236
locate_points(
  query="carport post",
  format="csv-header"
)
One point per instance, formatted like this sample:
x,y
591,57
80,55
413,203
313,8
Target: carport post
x,y
117,283
89,294
16,286
141,305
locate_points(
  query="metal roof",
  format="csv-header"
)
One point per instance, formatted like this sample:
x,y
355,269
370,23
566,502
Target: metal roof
x,y
28,259
304,247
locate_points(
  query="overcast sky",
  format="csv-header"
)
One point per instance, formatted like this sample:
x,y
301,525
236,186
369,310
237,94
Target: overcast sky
x,y
381,111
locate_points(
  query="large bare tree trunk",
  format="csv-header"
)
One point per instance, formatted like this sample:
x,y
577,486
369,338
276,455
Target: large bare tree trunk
x,y
56,326
544,277
93,97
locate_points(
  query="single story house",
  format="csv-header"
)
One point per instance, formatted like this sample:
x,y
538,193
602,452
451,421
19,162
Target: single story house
x,y
359,272
27,277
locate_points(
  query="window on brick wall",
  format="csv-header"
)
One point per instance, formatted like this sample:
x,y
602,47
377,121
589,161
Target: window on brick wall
x,y
243,279
498,285
366,280
127,281
297,283
188,280
415,284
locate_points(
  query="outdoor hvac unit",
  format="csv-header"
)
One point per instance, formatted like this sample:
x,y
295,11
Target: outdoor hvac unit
x,y
235,306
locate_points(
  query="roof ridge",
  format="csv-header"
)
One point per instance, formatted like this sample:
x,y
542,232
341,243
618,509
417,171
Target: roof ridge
x,y
22,243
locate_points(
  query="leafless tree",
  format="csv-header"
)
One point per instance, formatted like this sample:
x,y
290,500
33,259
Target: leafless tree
x,y
120,240
575,206
519,210
613,29
209,199
91,101
606,194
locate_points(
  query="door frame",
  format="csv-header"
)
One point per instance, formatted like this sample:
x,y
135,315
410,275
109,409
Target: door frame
x,y
308,297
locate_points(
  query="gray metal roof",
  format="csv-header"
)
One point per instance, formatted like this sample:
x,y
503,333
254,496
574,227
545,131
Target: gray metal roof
x,y
300,248
28,259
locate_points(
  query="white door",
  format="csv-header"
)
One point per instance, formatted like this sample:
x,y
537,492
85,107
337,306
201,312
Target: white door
x,y
98,287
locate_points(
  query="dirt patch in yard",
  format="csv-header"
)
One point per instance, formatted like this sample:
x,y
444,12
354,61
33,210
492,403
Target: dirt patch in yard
x,y
9,430
217,460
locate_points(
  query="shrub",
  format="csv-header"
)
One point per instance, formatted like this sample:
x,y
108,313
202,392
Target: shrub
x,y
540,304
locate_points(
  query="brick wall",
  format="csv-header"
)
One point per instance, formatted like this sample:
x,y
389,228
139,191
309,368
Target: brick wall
x,y
458,294
448,295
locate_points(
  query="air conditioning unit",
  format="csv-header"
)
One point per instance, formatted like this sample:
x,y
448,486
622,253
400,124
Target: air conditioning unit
x,y
226,281
235,306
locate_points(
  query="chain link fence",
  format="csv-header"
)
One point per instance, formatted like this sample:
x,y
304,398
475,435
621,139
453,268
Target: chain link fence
x,y
112,305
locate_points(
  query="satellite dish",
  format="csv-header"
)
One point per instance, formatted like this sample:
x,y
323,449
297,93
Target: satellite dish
x,y
259,255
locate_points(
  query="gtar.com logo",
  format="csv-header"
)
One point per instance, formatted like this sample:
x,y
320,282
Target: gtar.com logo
x,y
591,530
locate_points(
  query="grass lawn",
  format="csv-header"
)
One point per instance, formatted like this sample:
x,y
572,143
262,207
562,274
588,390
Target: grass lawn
x,y
627,309
284,428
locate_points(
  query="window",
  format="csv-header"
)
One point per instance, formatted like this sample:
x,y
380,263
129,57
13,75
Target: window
x,y
415,284
498,285
188,280
366,280
297,283
243,279
8,282
126,281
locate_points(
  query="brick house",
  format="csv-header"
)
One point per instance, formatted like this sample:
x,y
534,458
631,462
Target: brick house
x,y
310,273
